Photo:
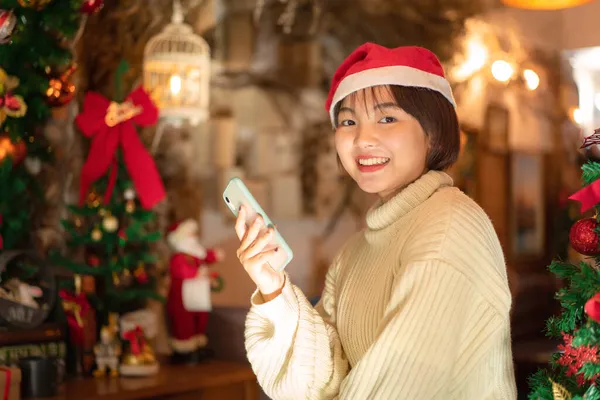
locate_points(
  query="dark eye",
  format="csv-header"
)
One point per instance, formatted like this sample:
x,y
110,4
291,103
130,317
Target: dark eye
x,y
387,120
347,122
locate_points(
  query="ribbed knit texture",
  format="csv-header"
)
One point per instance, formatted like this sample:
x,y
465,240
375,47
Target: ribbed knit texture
x,y
416,307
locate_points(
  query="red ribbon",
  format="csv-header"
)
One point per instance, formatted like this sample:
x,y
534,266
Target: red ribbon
x,y
589,196
76,307
136,339
108,137
8,373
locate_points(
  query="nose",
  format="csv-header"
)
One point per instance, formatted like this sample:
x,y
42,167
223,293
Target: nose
x,y
365,136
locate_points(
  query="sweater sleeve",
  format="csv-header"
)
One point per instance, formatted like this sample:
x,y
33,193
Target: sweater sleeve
x,y
421,336
294,348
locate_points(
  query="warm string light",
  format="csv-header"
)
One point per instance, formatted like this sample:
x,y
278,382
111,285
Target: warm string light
x,y
481,56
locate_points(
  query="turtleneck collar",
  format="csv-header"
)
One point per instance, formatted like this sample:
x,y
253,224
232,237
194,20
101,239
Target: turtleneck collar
x,y
383,214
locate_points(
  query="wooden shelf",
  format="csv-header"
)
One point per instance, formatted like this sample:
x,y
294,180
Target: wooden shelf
x,y
208,381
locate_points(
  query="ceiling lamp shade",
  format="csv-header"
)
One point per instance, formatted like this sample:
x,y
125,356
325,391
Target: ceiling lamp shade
x,y
177,71
544,4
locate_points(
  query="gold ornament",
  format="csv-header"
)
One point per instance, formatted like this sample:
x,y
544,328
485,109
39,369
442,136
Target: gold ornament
x,y
35,4
130,206
110,223
77,222
96,235
559,392
116,279
102,212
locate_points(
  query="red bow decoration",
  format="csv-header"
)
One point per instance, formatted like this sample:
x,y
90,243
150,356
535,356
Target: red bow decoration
x,y
110,125
136,339
76,307
589,196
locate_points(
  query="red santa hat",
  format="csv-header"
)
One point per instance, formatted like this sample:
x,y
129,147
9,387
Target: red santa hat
x,y
373,65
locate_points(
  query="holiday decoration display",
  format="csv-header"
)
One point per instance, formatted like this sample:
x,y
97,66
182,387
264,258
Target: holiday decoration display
x,y
118,170
27,289
91,6
574,372
12,105
110,126
10,381
139,358
35,4
8,22
108,351
177,71
584,236
189,303
60,90
35,36
16,151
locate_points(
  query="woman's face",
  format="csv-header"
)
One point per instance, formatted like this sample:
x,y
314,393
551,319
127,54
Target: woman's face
x,y
382,147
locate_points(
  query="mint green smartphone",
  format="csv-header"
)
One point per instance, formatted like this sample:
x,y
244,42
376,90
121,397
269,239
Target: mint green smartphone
x,y
235,194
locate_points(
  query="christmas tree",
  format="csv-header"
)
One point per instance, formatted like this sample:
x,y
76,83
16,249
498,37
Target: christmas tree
x,y
36,63
574,371
109,233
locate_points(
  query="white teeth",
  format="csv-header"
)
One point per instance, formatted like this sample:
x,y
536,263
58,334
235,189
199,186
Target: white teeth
x,y
373,161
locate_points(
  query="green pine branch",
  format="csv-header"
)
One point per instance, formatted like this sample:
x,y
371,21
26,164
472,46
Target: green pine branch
x,y
591,172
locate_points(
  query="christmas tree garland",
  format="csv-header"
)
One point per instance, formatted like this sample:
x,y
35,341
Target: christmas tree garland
x,y
36,67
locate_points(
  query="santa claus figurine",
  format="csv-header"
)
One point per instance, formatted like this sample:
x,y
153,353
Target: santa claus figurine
x,y
189,298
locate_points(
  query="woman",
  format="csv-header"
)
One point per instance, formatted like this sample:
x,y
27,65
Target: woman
x,y
416,306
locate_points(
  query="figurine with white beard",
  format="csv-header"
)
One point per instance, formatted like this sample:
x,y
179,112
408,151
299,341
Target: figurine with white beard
x,y
189,298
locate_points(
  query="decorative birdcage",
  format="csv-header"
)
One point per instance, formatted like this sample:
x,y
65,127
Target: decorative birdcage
x,y
177,71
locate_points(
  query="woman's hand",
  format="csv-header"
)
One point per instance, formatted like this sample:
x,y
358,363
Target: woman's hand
x,y
253,256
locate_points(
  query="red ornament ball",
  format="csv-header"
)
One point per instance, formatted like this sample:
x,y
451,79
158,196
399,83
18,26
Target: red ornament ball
x,y
91,6
583,237
592,307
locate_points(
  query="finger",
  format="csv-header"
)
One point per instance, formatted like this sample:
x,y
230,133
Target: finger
x,y
252,233
254,264
259,244
240,223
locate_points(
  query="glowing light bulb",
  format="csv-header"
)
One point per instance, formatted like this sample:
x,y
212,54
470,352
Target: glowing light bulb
x,y
477,56
532,80
175,84
576,115
502,70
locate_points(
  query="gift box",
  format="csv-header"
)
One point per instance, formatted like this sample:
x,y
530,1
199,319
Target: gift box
x,y
10,383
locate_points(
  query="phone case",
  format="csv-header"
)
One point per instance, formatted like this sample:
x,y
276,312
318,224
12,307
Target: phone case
x,y
235,194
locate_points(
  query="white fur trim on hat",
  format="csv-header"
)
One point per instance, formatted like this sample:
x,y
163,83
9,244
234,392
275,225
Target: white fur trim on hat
x,y
393,75
184,229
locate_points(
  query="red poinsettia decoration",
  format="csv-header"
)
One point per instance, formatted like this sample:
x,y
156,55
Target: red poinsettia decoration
x,y
575,357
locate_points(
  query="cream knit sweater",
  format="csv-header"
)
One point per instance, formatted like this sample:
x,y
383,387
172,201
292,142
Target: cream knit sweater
x,y
416,307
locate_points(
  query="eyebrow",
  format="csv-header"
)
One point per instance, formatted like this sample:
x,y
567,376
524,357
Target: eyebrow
x,y
380,106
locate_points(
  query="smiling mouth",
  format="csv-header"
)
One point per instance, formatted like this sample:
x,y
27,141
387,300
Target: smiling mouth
x,y
373,161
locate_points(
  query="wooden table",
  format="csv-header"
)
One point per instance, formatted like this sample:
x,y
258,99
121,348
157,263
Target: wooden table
x,y
211,380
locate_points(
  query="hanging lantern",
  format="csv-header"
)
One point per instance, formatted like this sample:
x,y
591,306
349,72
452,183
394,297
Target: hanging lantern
x,y
544,4
177,71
